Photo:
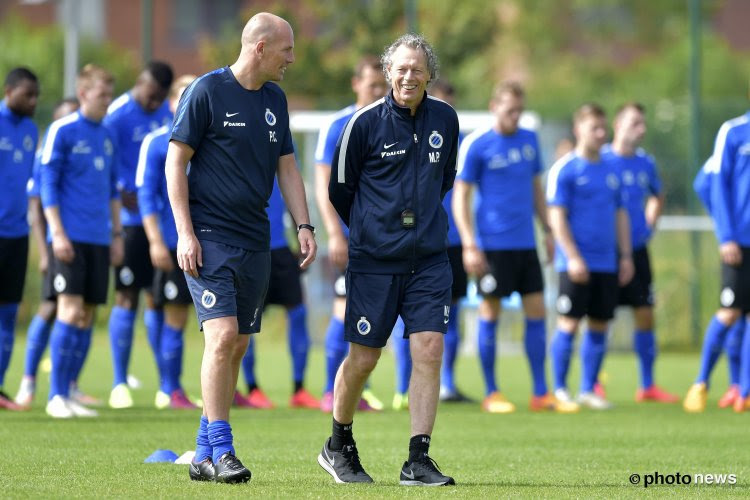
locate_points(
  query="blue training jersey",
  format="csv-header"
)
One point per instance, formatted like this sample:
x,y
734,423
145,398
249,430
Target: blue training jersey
x,y
276,211
730,188
131,123
151,181
503,167
591,194
18,138
238,136
79,175
328,137
454,239
640,180
702,185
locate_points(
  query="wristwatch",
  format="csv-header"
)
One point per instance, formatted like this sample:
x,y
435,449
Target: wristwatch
x,y
306,226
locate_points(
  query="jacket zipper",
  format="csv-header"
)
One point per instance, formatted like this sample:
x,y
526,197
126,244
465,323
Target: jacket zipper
x,y
415,196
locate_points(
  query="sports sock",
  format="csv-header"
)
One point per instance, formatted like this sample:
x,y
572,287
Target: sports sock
x,y
61,344
745,362
644,346
171,354
403,357
561,350
220,437
299,341
336,350
248,365
154,321
487,352
121,341
80,352
450,350
341,435
733,346
535,343
419,446
593,347
712,343
37,338
203,448
7,336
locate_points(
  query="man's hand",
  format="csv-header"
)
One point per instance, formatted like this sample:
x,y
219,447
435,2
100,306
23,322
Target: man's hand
x,y
62,248
625,271
578,271
549,246
189,254
160,256
116,250
43,262
730,253
129,200
475,262
307,247
338,251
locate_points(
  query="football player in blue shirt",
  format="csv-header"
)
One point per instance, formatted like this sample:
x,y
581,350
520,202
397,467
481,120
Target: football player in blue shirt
x,y
729,172
132,116
503,161
37,335
232,126
368,84
169,289
82,207
594,253
643,197
18,138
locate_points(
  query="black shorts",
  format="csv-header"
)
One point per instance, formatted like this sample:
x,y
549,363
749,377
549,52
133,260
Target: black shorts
x,y
136,270
375,301
48,290
339,285
87,275
596,299
171,287
639,292
735,284
14,255
284,286
511,271
455,257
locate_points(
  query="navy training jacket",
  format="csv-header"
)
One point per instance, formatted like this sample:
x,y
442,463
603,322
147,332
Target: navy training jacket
x,y
386,162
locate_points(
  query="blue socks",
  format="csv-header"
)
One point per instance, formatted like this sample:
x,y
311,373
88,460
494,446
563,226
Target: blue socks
x,y
450,351
7,336
593,347
37,338
745,365
248,363
487,349
733,346
63,340
712,344
121,340
171,354
561,350
644,345
336,350
154,321
535,342
220,438
80,352
203,448
403,357
299,341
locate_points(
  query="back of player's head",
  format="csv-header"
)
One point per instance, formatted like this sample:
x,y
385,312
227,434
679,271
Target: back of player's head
x,y
161,72
91,73
367,61
179,84
442,87
416,42
634,105
65,106
17,75
590,109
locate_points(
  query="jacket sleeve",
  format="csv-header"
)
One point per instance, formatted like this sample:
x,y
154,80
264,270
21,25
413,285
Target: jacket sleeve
x,y
449,173
346,167
53,157
721,187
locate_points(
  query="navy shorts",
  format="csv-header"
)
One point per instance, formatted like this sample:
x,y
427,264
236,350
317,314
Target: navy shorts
x,y
639,292
374,301
232,282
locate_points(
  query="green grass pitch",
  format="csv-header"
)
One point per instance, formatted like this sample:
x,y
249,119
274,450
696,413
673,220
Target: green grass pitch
x,y
523,454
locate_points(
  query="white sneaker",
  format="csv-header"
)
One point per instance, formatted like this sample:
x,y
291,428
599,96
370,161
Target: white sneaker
x,y
120,397
162,400
81,411
26,392
563,396
591,400
57,407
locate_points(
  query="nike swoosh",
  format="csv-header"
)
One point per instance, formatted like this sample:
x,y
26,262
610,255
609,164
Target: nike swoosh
x,y
331,460
410,475
388,146
229,115
445,321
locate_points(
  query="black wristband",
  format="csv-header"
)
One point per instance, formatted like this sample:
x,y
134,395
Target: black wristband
x,y
306,226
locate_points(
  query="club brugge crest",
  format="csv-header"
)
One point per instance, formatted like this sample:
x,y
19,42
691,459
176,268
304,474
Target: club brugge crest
x,y
270,117
363,326
435,140
170,290
208,299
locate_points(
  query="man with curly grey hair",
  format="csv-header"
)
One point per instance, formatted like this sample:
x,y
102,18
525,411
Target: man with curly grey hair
x,y
395,162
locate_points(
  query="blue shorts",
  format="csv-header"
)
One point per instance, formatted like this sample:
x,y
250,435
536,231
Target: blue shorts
x,y
232,282
374,301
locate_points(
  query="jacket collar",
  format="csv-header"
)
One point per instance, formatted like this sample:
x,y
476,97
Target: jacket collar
x,y
401,110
